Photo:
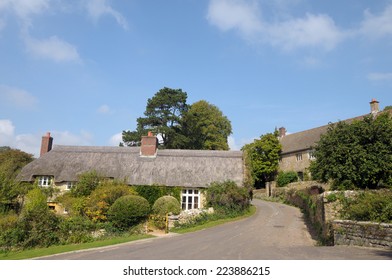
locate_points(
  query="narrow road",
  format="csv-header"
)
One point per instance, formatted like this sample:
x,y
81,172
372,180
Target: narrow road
x,y
275,232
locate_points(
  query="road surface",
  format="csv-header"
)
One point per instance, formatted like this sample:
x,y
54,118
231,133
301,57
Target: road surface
x,y
275,232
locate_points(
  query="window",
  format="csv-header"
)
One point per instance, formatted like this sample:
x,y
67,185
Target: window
x,y
311,155
299,157
69,185
190,199
45,181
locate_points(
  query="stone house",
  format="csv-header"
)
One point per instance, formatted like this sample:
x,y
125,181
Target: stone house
x,y
297,148
192,170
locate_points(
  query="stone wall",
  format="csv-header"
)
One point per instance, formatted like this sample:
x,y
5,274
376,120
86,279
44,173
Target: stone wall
x,y
362,234
322,210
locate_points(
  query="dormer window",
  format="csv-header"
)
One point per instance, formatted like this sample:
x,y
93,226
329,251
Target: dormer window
x,y
45,181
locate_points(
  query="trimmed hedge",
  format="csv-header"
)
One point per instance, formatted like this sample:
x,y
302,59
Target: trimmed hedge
x,y
128,211
166,204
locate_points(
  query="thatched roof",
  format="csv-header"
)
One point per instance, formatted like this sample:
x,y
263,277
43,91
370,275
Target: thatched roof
x,y
184,168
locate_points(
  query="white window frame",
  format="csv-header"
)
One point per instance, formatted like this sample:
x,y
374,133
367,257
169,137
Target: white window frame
x,y
45,181
69,185
190,199
311,155
298,156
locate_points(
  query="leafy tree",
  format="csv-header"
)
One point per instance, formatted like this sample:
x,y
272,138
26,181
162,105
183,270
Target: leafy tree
x,y
263,158
162,116
11,162
204,127
357,154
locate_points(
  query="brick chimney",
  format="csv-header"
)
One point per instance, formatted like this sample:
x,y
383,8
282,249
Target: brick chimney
x,y
282,132
149,145
374,108
46,144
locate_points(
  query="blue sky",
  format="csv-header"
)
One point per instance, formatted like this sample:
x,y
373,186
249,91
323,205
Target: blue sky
x,y
84,69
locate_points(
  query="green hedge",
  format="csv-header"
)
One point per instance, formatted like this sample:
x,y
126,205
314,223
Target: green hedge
x,y
128,211
152,193
285,178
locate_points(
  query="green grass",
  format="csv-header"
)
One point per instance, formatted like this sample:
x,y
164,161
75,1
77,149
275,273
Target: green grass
x,y
252,211
40,252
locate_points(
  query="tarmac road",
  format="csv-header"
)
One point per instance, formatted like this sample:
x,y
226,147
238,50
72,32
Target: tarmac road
x,y
275,232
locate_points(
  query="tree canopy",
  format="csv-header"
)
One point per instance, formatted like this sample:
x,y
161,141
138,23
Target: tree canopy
x,y
357,154
181,126
162,117
205,127
11,162
262,158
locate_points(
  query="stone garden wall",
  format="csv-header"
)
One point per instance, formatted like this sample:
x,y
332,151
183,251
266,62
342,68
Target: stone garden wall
x,y
362,234
322,210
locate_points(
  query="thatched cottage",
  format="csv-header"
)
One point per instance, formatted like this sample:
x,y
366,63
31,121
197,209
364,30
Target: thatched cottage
x,y
297,148
192,170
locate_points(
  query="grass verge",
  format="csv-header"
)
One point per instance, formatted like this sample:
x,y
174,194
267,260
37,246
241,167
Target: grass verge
x,y
40,252
252,211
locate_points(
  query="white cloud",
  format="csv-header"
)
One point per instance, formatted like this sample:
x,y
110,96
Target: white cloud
x,y
6,130
25,8
309,31
25,142
237,145
235,14
376,26
379,76
104,109
115,139
68,138
53,48
99,8
17,97
31,143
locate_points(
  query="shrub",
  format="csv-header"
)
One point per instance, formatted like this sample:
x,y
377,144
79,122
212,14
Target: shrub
x,y
87,183
76,230
166,204
152,193
162,207
103,197
128,211
37,225
227,197
285,178
8,231
369,206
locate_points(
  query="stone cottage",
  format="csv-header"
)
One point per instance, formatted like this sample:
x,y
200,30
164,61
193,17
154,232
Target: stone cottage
x,y
297,148
193,170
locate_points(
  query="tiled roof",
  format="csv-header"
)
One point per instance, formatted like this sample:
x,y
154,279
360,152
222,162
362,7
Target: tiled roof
x,y
306,139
